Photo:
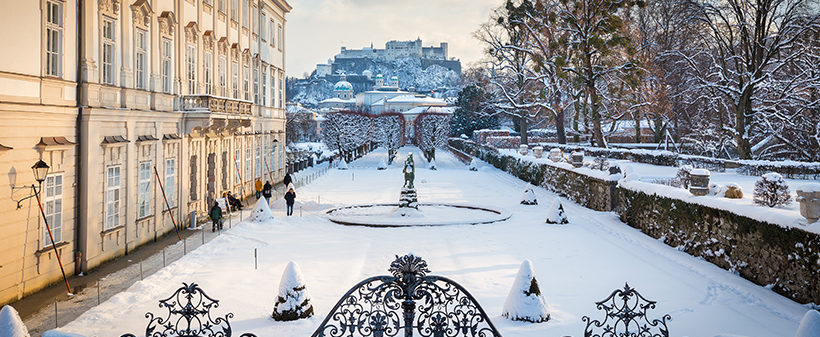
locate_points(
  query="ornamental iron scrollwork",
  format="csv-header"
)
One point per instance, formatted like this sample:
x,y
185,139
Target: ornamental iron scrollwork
x,y
408,302
626,317
189,315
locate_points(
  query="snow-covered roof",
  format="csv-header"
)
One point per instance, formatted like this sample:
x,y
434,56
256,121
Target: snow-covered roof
x,y
338,100
378,103
418,100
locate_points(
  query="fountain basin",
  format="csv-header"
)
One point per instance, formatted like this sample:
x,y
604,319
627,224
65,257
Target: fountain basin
x,y
428,214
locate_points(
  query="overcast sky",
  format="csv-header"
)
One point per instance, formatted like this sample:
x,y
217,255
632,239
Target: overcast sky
x,y
317,29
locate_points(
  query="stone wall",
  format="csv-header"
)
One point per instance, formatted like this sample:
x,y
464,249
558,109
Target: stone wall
x,y
785,259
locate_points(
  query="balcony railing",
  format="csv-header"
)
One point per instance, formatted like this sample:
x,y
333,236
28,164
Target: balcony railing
x,y
208,103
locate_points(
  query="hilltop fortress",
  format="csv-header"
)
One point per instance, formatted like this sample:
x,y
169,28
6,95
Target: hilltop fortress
x,y
358,60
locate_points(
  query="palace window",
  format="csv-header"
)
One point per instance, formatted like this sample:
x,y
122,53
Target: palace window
x,y
53,208
54,38
247,88
166,65
170,182
234,10
222,6
262,28
237,158
264,92
191,70
208,71
245,9
112,197
281,44
144,192
281,90
272,40
248,163
108,51
256,85
235,83
272,88
223,81
140,58
258,162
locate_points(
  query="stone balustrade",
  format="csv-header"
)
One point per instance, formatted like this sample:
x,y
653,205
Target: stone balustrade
x,y
208,103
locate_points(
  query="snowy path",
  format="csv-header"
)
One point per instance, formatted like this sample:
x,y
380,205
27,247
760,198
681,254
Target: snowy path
x,y
575,264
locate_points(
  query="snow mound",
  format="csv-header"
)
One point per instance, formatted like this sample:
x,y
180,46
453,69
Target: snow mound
x,y
432,165
342,165
293,301
406,212
473,165
810,325
809,187
700,172
556,214
382,165
261,211
529,196
633,177
10,323
525,301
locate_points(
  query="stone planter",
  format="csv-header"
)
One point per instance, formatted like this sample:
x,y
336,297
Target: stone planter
x,y
578,158
555,154
700,182
808,195
538,151
523,149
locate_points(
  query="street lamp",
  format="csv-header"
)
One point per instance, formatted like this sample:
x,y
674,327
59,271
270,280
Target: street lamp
x,y
40,169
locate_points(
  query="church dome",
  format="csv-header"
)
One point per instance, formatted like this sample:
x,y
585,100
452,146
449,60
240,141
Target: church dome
x,y
343,86
367,73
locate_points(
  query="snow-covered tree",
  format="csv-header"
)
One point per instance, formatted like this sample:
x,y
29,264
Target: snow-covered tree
x,y
471,109
525,302
684,175
293,301
10,323
432,131
261,211
300,125
751,57
556,214
772,190
347,131
528,198
388,130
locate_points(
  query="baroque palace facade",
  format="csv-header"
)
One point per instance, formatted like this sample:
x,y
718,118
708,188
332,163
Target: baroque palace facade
x,y
124,99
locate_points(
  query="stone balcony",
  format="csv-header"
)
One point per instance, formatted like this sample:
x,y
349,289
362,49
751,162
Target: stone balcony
x,y
207,114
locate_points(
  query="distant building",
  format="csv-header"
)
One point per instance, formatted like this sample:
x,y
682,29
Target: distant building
x,y
397,49
342,97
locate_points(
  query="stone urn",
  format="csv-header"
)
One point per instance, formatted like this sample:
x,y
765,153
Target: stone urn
x,y
808,195
538,151
523,149
700,182
578,158
555,154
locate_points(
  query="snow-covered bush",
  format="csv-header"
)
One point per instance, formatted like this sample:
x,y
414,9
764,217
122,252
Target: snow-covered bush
x,y
261,211
293,301
10,323
529,196
733,191
473,165
346,131
382,165
809,325
525,301
432,131
432,165
556,214
684,175
600,164
342,164
771,190
388,130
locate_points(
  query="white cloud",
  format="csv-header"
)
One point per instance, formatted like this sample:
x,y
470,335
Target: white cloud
x,y
316,29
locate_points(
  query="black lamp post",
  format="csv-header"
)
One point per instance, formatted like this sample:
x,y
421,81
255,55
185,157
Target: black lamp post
x,y
40,169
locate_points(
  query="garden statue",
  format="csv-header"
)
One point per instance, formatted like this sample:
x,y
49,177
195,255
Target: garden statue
x,y
409,171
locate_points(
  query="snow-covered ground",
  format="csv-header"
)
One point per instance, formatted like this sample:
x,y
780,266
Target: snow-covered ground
x,y
575,264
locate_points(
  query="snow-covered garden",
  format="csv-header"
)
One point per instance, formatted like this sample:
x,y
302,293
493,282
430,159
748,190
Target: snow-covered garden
x,y
576,264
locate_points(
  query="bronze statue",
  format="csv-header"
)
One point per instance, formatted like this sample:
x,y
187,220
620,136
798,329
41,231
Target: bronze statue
x,y
409,171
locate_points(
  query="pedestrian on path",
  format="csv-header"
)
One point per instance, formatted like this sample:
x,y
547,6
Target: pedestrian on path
x,y
258,187
290,198
287,179
216,217
266,191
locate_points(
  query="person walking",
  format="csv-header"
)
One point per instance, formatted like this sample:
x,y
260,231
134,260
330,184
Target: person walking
x,y
287,180
258,186
216,217
290,198
267,190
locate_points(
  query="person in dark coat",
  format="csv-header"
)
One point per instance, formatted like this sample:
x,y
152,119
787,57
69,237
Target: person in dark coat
x,y
290,198
267,190
287,180
233,202
216,217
